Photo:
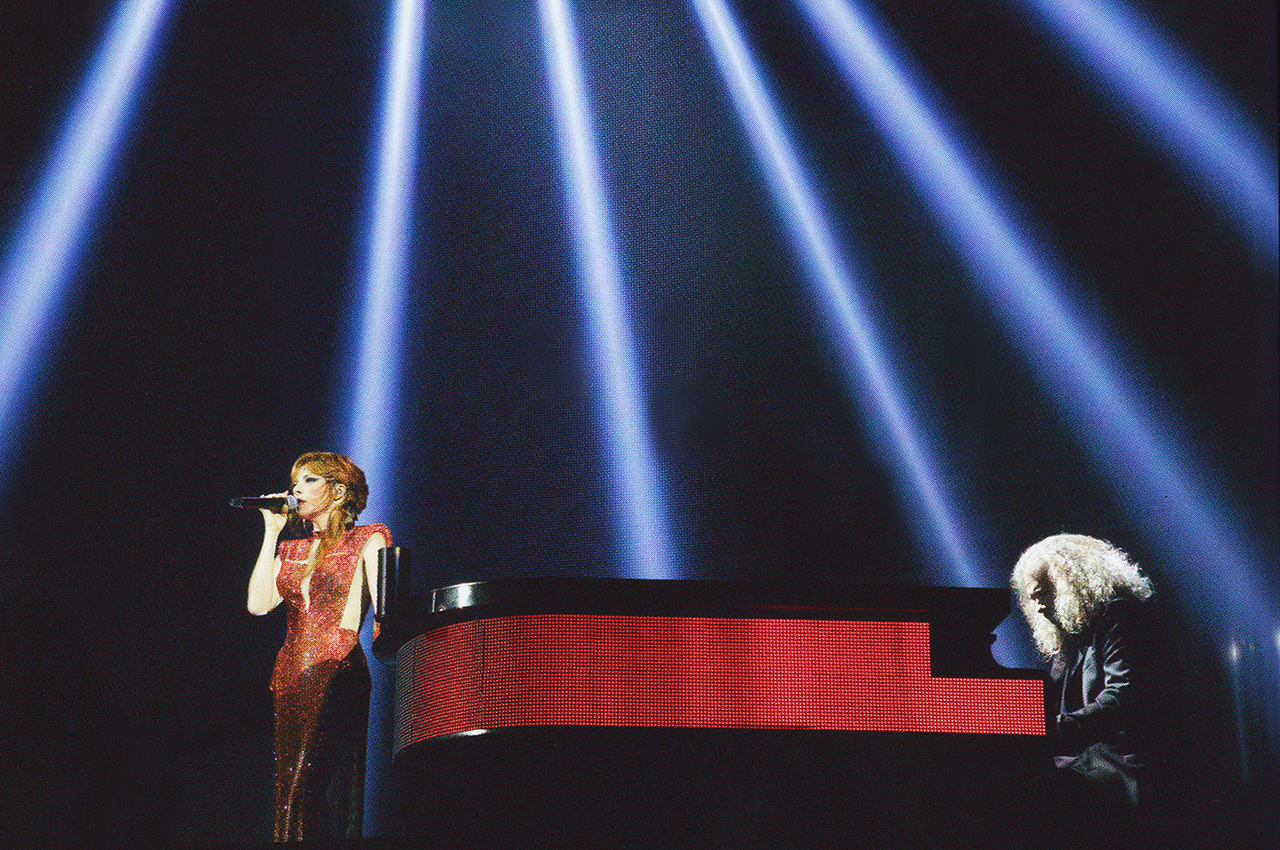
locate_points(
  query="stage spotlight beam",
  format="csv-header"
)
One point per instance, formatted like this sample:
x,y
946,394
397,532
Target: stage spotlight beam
x,y
51,237
1129,437
371,420
375,384
836,286
1180,110
631,459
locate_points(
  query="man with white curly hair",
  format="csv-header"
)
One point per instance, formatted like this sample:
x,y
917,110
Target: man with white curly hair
x,y
1085,603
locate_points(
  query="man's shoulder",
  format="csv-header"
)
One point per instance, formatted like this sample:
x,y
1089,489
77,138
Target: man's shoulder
x,y
1125,605
1136,621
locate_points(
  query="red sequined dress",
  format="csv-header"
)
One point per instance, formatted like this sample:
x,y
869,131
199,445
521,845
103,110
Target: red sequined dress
x,y
321,689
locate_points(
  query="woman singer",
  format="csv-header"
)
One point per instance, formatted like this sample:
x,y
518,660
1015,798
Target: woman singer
x,y
320,684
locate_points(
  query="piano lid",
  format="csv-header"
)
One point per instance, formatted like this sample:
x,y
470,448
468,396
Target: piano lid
x,y
984,606
961,619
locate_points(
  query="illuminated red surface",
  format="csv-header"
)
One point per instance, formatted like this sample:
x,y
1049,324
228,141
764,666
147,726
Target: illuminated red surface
x,y
601,670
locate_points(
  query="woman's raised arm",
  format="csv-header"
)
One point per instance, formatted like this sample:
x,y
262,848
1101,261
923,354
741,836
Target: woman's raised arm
x,y
263,595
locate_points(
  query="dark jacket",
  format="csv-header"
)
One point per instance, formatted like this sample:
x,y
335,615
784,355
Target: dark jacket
x,y
1103,683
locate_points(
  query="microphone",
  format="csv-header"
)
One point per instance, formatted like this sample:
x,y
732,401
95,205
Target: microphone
x,y
271,503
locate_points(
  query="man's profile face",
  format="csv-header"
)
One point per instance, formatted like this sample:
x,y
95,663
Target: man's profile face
x,y
1043,593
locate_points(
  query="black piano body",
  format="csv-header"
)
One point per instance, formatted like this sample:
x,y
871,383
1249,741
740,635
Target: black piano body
x,y
571,712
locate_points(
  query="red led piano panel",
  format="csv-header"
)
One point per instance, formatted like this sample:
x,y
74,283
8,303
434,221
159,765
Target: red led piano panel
x,y
603,670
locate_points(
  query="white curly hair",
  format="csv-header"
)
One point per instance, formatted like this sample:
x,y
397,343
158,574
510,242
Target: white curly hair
x,y
1087,573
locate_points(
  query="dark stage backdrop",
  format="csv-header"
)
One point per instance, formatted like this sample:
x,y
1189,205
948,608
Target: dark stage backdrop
x,y
207,340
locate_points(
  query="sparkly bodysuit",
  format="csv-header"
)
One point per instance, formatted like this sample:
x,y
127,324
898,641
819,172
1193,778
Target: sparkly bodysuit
x,y
321,690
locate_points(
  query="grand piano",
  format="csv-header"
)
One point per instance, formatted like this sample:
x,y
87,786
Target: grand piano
x,y
571,712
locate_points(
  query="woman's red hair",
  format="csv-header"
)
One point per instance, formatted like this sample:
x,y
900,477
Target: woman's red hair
x,y
335,469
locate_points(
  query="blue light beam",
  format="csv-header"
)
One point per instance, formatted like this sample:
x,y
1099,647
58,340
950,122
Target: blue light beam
x,y
835,283
1181,109
1153,478
627,443
375,384
371,421
49,240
